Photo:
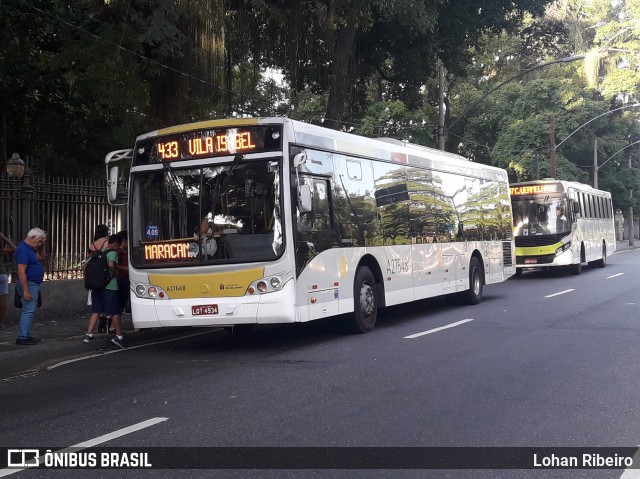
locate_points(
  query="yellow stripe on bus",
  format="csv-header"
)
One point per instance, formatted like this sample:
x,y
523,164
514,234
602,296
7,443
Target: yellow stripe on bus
x,y
229,284
538,250
207,124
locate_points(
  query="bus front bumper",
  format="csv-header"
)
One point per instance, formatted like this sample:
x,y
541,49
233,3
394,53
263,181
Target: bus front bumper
x,y
275,307
553,260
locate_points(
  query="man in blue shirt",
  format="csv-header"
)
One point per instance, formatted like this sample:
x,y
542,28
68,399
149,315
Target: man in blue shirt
x,y
28,255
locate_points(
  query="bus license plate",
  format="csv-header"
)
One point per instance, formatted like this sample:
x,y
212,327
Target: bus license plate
x,y
204,309
531,260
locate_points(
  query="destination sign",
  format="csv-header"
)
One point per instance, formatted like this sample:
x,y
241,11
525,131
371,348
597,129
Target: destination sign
x,y
209,143
535,189
169,251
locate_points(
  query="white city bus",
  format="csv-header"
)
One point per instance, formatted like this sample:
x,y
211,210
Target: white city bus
x,y
269,220
561,224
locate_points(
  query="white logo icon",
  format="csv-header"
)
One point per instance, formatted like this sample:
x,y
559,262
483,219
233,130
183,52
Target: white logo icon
x,y
23,457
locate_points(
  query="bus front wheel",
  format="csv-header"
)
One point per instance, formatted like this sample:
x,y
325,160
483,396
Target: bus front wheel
x,y
365,301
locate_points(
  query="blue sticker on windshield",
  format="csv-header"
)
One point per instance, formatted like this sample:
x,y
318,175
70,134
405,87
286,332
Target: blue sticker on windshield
x,y
152,232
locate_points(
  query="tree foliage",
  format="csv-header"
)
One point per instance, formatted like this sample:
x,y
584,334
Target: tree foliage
x,y
78,79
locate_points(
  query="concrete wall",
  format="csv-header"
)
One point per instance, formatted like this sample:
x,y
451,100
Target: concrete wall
x,y
65,297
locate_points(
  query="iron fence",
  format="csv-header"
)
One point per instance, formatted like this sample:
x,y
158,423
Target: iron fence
x,y
68,209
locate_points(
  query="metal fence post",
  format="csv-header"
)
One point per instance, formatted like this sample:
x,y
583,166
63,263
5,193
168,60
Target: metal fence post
x,y
26,196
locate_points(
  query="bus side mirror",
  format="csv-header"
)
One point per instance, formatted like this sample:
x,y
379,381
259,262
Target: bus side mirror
x,y
304,198
116,189
112,184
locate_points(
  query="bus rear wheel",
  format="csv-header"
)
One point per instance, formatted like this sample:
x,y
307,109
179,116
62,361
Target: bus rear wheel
x,y
365,301
476,282
602,262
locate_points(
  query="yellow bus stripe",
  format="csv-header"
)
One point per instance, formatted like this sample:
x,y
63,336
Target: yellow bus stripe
x,y
538,250
207,124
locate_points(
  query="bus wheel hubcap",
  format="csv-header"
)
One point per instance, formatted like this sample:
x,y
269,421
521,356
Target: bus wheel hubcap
x,y
367,302
476,282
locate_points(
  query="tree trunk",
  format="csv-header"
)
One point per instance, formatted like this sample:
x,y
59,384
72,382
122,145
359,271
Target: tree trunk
x,y
342,74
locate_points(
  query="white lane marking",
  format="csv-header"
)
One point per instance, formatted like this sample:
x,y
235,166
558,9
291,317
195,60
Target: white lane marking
x,y
614,275
94,442
452,325
69,361
633,473
558,294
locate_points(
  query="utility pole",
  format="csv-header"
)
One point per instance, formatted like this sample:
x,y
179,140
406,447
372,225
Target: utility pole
x,y
441,136
631,227
554,160
595,163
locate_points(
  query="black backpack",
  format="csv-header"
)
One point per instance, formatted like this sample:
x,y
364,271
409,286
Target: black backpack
x,y
97,273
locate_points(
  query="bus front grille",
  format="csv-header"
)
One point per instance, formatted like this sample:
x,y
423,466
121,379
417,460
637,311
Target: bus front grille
x,y
535,260
506,253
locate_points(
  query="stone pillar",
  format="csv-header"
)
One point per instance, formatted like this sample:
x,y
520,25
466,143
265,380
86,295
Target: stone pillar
x,y
619,225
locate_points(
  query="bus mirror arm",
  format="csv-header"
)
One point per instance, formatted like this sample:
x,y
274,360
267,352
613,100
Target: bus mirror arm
x,y
300,159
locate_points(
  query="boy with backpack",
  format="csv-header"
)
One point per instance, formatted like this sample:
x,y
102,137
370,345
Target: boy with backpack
x,y
99,277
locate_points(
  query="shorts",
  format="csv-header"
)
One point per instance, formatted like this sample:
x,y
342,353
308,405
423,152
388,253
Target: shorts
x,y
4,284
105,300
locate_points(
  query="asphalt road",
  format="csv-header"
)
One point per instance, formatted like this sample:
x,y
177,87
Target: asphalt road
x,y
546,360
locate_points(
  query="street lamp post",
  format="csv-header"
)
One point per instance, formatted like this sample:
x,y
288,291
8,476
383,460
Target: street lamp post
x,y
442,130
555,147
15,166
595,160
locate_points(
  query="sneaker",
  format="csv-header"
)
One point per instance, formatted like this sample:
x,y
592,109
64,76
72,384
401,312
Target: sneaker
x,y
87,338
25,342
118,342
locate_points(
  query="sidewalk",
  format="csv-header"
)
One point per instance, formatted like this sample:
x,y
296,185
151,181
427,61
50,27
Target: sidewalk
x,y
62,339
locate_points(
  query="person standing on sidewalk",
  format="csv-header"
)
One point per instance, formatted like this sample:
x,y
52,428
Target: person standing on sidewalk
x,y
29,253
6,248
100,237
106,299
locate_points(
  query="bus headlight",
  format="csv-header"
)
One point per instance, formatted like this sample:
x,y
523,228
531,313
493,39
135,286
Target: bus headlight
x,y
148,291
270,284
563,248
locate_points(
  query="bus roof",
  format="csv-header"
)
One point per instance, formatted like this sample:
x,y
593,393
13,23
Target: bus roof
x,y
566,185
308,135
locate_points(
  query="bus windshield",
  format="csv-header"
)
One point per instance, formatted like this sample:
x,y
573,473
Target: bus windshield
x,y
540,216
221,213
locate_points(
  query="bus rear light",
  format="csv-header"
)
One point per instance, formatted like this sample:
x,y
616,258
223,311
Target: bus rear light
x,y
161,294
262,286
313,300
275,282
152,291
140,290
251,290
